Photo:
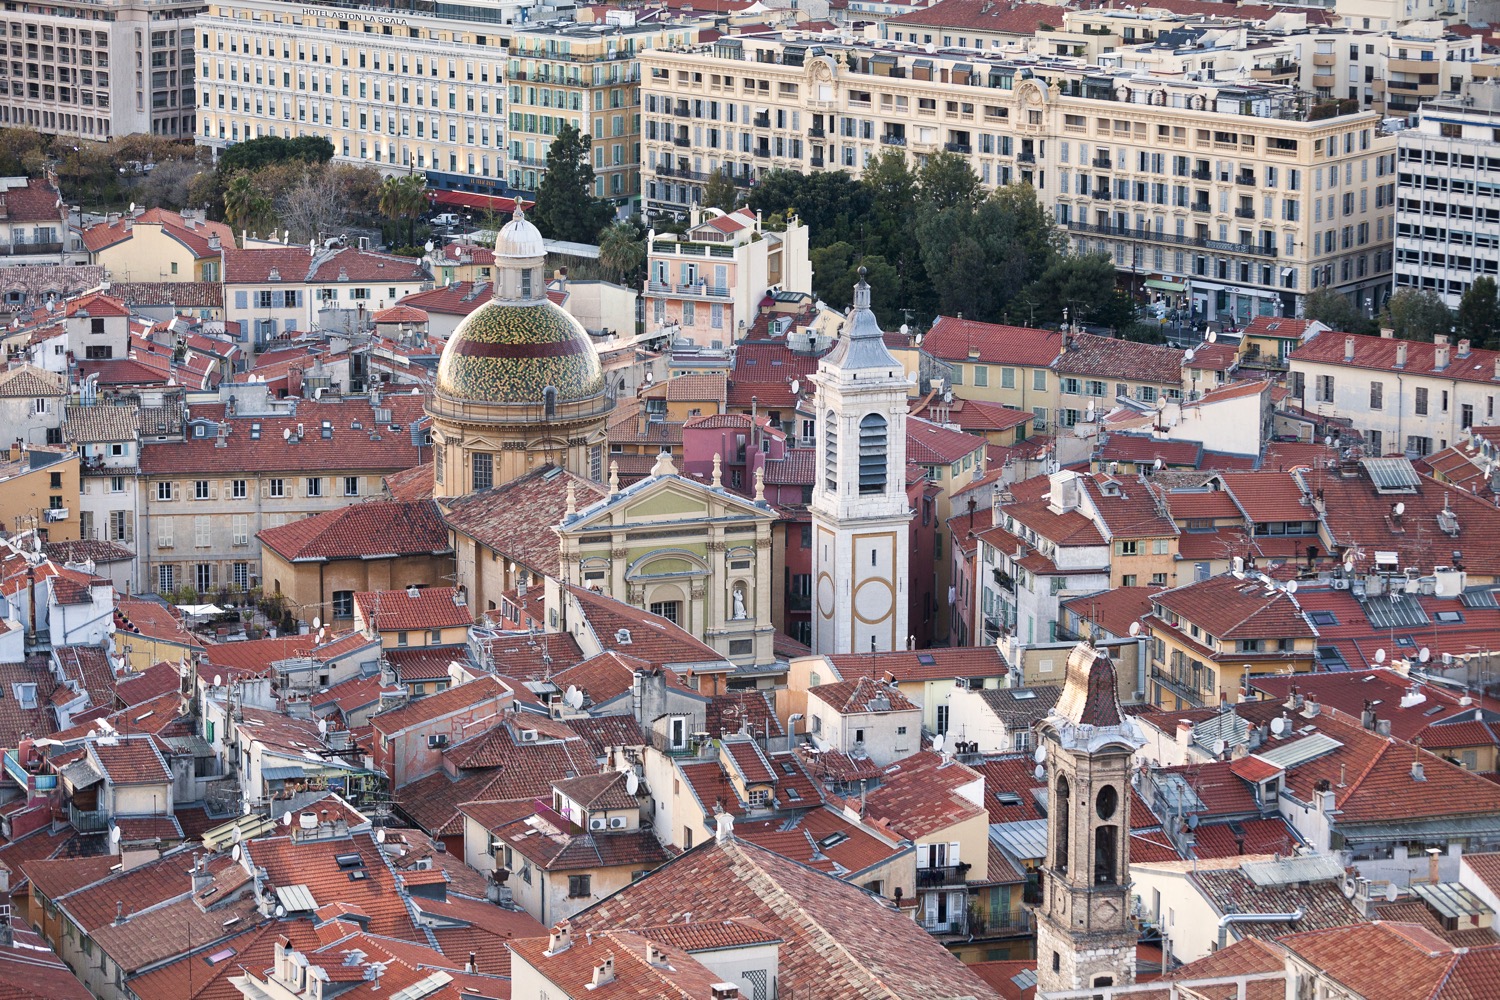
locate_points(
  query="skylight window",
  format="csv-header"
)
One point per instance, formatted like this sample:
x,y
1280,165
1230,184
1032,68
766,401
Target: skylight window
x,y
1323,618
926,659
833,840
222,955
1450,617
1024,694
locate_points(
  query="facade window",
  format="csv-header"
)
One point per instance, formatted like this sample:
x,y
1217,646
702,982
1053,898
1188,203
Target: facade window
x,y
872,448
484,470
166,578
240,573
200,489
579,886
1421,402
670,610
351,486
239,489
1377,395
1323,389
278,487
314,486
343,604
163,491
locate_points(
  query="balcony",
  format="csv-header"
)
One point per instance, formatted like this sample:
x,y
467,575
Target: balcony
x,y
817,132
958,147
88,820
893,140
1278,70
1246,180
1200,206
1151,236
699,290
1100,195
1244,213
799,602
695,746
1182,687
1025,157
1203,175
932,878
761,121
682,141
29,249
683,111
816,161
1325,59
1103,162
763,152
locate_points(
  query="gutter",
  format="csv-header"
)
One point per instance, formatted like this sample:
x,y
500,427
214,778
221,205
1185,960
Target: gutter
x,y
1254,918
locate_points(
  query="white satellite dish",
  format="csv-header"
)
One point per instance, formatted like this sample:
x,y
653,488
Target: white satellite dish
x,y
317,622
322,731
430,246
632,783
796,387
1391,892
1291,586
1349,565
321,631
1188,354
1380,655
1425,654
380,836
132,208
1278,726
1039,772
1399,509
286,434
1135,629
247,809
1438,588
280,910
572,696
218,680
1156,465
1212,337
235,852
1220,746
286,818
1040,755
937,743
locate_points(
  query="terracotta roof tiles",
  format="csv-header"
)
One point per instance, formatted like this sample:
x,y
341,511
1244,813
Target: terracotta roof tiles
x,y
401,610
957,339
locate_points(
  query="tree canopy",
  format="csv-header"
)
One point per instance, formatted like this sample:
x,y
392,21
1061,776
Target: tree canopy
x,y
1417,315
268,149
566,208
1478,317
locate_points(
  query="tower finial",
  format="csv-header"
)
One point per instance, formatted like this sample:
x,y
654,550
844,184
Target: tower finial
x,y
572,507
862,290
614,477
718,479
760,484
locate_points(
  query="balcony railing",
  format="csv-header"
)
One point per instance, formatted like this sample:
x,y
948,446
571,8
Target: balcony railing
x,y
1100,195
1103,162
88,820
698,290
799,602
682,141
1026,158
1248,180
1203,175
29,249
816,161
762,121
694,747
893,140
958,147
931,878
1182,686
695,249
816,132
1244,213
1182,241
1200,206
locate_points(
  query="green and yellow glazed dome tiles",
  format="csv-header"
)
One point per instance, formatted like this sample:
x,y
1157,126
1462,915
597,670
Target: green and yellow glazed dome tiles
x,y
511,353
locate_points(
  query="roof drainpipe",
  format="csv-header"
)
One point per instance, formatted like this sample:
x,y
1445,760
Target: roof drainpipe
x,y
1254,918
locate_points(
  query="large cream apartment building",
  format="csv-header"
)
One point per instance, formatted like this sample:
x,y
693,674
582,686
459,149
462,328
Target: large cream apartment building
x,y
1243,196
95,69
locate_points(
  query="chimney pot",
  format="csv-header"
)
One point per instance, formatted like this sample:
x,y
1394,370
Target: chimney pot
x,y
1401,355
1349,348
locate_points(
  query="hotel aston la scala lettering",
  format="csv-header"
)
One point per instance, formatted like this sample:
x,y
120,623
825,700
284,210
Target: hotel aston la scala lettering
x,y
353,15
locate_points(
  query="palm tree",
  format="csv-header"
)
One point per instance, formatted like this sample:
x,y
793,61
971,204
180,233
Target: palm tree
x,y
622,253
404,198
245,207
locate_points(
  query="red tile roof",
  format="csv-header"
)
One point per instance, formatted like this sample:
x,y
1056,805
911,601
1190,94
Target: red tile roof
x,y
971,415
436,706
362,531
1396,961
1114,610
516,519
652,637
1113,358
296,265
37,201
928,443
1379,353
1356,516
314,864
923,665
1022,20
957,339
457,299
413,610
919,798
823,839
1230,608
861,695
192,234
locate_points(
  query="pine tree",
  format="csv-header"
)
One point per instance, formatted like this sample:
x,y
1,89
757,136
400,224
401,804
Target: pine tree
x,y
566,208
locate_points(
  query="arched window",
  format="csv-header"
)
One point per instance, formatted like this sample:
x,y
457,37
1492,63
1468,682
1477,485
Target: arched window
x,y
549,401
872,441
831,450
1064,824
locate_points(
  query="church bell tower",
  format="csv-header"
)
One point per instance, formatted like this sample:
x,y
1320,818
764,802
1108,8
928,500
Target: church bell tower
x,y
1084,935
861,517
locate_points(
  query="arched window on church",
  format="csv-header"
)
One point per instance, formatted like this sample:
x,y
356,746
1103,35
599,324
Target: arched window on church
x,y
831,450
549,401
1106,855
872,442
1064,824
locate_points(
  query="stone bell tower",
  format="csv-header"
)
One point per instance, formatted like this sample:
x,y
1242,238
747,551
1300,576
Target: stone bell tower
x,y
1084,934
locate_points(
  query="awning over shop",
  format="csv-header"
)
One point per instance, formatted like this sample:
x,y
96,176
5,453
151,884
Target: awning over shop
x,y
1162,285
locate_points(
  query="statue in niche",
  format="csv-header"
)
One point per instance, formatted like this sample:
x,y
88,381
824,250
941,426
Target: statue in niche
x,y
739,602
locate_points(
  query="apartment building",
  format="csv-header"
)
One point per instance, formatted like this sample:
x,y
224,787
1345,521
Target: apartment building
x,y
586,75
95,69
1403,396
1244,197
1448,195
706,286
399,91
249,464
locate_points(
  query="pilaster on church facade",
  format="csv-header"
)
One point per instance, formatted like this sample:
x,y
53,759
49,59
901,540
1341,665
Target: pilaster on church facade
x,y
860,513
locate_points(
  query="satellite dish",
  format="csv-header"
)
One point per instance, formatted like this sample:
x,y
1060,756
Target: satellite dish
x,y
247,810
218,680
1380,655
132,208
1039,772
1040,755
1278,726
317,622
322,731
235,852
1349,565
380,836
1438,588
1213,336
286,818
1135,629
320,633
1220,746
1156,465
796,387
1291,587
572,696
1193,821
632,783
1161,402
937,743
1399,509
280,910
1350,887
286,434
1391,892
430,246
1424,655
1188,354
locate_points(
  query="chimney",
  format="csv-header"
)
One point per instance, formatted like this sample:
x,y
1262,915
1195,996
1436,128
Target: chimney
x,y
1312,709
472,966
1387,333
200,874
1382,727
1349,348
1433,854
724,991
213,242
725,827
1417,773
1440,355
604,972
1367,717
656,957
1184,739
560,939
1463,348
1497,368
1401,355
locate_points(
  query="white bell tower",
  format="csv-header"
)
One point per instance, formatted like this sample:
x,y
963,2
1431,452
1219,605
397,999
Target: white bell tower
x,y
861,518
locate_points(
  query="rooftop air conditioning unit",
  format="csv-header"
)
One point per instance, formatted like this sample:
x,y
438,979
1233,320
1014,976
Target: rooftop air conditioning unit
x,y
597,823
528,736
617,822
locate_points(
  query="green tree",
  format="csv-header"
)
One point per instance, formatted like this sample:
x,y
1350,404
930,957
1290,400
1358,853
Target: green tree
x,y
1417,315
836,271
245,206
947,181
21,149
1479,313
1335,311
980,257
268,149
719,192
893,191
834,206
566,208
1086,284
622,254
404,197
